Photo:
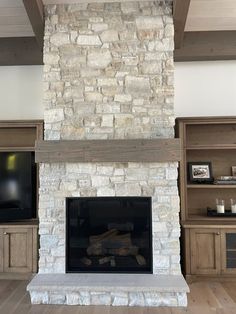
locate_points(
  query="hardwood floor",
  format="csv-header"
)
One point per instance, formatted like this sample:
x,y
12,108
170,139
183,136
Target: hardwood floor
x,y
206,297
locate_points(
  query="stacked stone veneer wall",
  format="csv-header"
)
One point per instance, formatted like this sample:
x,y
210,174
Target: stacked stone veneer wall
x,y
109,74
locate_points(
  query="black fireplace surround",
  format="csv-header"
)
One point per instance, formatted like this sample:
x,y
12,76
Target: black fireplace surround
x,y
108,234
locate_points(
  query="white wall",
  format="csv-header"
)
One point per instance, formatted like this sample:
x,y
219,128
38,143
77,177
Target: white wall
x,y
205,88
201,89
21,92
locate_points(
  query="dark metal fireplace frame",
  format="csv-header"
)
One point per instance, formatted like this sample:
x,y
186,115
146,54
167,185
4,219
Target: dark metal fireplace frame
x,y
110,271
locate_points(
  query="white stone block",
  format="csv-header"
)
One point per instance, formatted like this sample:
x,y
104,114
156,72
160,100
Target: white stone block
x,y
109,36
89,40
107,120
105,191
84,298
72,298
123,98
136,299
60,39
182,299
137,86
119,298
149,22
99,59
100,298
99,27
98,181
54,115
57,298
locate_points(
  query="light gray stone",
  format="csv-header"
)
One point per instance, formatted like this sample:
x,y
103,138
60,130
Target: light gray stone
x,y
137,86
119,299
149,22
60,39
99,27
54,115
99,59
122,98
51,58
109,36
107,120
89,40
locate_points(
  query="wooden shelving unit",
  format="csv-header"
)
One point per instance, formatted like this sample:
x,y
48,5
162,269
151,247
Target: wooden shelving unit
x,y
204,239
19,240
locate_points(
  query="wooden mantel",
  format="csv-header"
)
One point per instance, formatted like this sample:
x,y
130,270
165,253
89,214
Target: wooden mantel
x,y
133,150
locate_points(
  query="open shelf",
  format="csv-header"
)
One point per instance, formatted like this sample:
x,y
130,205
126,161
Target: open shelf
x,y
210,147
211,186
204,246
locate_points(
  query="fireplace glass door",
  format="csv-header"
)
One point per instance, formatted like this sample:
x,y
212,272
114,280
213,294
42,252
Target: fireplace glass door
x,y
108,234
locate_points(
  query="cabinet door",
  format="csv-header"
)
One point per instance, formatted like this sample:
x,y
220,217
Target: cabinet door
x,y
228,245
205,251
17,247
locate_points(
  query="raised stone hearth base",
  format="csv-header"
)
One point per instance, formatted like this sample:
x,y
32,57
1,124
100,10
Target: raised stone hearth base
x,y
109,289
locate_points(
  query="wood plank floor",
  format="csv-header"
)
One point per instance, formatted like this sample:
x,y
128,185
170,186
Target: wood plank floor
x,y
206,297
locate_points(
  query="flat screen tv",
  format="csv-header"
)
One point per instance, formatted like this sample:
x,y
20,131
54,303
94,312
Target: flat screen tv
x,y
17,186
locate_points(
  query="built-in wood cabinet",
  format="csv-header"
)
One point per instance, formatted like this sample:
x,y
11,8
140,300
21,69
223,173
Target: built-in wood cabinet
x,y
18,247
205,251
208,243
210,250
19,239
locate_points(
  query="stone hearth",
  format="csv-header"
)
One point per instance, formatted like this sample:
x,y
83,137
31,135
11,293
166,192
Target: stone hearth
x,y
109,75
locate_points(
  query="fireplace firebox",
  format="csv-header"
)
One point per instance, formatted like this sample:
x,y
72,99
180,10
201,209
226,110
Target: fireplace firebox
x,y
109,234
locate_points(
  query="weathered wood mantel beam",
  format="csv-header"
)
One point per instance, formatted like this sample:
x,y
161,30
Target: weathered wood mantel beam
x,y
20,51
202,46
35,12
180,12
133,150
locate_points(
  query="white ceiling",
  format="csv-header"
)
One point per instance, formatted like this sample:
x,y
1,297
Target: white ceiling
x,y
211,15
88,1
204,15
14,21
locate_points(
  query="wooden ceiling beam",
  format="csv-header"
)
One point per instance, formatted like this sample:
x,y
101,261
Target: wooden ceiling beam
x,y
20,51
203,46
35,11
180,12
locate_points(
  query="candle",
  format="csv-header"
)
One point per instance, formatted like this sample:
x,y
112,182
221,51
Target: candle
x,y
233,205
221,209
220,206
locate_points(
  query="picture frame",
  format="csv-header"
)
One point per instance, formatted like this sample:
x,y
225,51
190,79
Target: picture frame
x,y
200,172
234,171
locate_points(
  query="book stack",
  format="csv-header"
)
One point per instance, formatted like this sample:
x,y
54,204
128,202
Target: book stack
x,y
225,180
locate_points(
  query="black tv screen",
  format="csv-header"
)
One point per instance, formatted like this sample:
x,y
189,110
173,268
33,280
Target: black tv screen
x,y
17,186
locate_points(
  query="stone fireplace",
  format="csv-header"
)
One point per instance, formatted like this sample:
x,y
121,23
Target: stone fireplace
x,y
108,74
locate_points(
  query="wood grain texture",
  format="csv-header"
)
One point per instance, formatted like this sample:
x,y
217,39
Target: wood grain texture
x,y
34,9
14,21
137,150
180,10
211,15
205,251
20,51
202,46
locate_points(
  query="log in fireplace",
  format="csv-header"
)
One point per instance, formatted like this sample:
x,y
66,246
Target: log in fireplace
x,y
109,234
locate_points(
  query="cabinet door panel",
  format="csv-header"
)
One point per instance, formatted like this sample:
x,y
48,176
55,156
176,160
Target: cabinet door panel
x,y
17,250
205,251
228,244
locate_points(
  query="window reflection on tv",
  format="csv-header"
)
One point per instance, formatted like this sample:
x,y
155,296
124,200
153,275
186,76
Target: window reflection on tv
x,y
17,185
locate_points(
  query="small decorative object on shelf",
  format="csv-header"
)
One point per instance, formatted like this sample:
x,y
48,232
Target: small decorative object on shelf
x,y
234,171
200,172
213,213
233,205
220,206
225,180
